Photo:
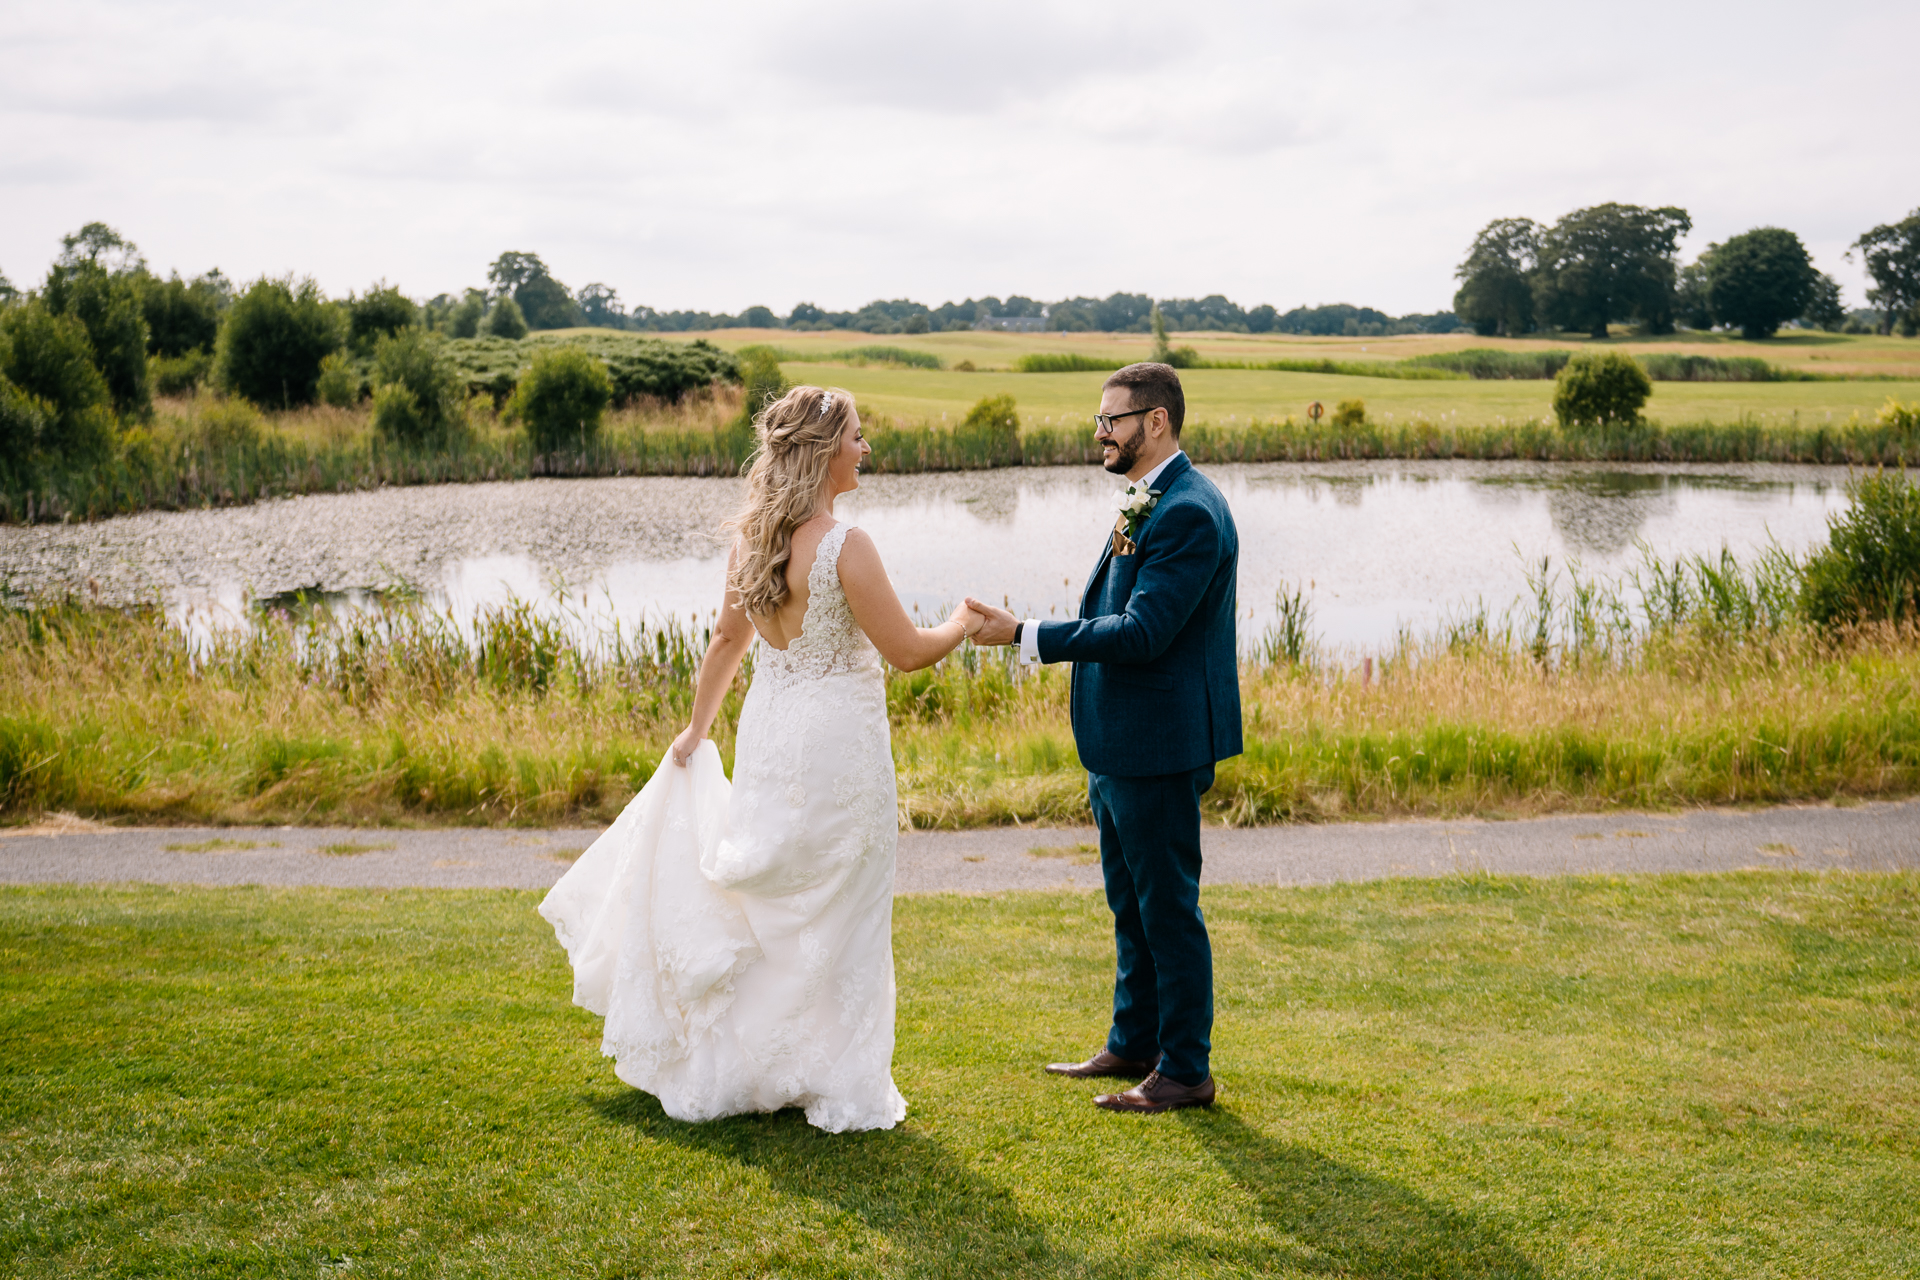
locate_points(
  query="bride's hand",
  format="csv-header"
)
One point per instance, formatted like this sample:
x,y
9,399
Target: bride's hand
x,y
969,619
685,745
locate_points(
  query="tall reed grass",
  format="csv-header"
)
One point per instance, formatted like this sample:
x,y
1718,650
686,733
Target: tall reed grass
x,y
1691,682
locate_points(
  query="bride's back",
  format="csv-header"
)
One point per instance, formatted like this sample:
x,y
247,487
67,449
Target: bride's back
x,y
785,624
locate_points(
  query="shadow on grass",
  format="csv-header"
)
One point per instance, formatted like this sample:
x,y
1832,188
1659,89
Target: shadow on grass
x,y
1354,1223
941,1219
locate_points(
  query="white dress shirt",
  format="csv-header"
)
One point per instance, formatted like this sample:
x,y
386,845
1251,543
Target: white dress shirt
x,y
1030,630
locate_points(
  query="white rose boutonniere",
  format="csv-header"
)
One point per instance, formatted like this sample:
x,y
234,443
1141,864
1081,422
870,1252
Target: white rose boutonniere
x,y
1135,502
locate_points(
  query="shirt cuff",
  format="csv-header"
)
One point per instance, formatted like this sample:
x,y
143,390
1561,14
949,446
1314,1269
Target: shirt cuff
x,y
1030,643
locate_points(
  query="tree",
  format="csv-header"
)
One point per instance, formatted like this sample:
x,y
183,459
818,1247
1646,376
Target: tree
x,y
546,304
417,392
512,269
505,320
1600,389
180,317
1496,280
380,312
805,313
600,306
7,292
1825,308
108,305
1759,280
98,244
1161,353
760,318
561,399
1892,256
1260,319
59,393
274,339
463,318
1691,305
1610,262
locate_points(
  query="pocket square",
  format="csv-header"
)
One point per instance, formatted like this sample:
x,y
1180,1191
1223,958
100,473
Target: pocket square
x,y
1122,544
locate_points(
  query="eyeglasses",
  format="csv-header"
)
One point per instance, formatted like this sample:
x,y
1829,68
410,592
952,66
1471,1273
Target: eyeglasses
x,y
1103,422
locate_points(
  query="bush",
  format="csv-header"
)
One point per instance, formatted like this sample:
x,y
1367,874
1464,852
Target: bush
x,y
23,419
228,423
1184,358
505,320
274,340
1063,362
561,399
109,306
1350,415
1870,567
181,317
378,313
416,361
464,320
179,375
1600,389
339,382
760,375
990,433
49,358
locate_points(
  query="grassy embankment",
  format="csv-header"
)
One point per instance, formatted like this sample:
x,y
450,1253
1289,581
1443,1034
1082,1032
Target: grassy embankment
x,y
205,452
402,719
1691,1077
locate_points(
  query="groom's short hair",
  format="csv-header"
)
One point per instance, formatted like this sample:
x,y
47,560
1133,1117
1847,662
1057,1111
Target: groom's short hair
x,y
1153,386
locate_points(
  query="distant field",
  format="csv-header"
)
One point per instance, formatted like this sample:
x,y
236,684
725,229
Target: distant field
x,y
1224,395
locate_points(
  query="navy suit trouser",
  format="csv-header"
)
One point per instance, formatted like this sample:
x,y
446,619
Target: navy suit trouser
x,y
1150,855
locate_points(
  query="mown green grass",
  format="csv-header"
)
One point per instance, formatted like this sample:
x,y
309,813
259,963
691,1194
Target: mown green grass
x,y
1472,1077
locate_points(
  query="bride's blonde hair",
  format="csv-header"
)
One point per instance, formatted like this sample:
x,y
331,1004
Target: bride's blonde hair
x,y
798,435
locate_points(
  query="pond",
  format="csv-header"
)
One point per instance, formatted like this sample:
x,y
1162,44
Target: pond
x,y
1376,545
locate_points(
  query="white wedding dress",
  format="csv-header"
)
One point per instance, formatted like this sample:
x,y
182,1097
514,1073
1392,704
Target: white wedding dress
x,y
738,939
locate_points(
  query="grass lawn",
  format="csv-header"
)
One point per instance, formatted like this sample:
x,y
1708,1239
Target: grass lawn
x,y
1221,395
1711,1076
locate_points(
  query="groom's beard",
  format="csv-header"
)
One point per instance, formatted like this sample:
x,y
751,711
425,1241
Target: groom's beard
x,y
1126,452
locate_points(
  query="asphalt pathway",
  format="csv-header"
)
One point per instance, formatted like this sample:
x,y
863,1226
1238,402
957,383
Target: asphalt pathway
x,y
1863,837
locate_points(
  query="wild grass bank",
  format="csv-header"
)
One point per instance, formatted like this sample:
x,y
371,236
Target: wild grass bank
x,y
404,718
1459,1078
209,451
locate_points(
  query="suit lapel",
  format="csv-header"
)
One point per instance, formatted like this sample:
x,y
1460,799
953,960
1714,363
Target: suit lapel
x,y
1178,467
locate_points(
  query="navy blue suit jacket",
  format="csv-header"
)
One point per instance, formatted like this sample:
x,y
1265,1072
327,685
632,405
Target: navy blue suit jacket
x,y
1156,676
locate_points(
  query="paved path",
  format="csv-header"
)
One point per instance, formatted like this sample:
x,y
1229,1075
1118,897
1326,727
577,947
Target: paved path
x,y
1867,837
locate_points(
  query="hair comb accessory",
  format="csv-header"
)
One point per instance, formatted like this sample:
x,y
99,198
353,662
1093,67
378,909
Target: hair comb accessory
x,y
826,403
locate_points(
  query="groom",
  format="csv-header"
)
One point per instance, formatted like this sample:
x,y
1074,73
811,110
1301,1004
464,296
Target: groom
x,y
1155,703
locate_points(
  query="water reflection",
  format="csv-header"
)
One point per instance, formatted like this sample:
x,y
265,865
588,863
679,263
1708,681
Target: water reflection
x,y
1379,545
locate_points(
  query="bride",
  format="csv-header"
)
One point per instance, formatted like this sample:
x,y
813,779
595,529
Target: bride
x,y
738,939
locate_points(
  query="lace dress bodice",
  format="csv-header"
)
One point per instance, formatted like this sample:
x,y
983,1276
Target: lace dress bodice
x,y
829,642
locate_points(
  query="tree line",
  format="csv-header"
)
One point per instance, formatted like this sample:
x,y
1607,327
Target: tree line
x,y
1618,263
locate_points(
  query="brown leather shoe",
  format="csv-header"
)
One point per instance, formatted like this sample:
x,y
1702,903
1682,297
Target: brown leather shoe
x,y
1157,1093
1102,1064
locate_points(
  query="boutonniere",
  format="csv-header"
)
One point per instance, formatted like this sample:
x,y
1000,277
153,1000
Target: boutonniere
x,y
1135,503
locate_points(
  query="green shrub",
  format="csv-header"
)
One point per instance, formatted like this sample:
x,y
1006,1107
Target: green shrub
x,y
179,375
1350,415
760,375
561,399
1904,418
1600,389
1184,358
109,306
23,419
49,358
227,422
505,321
1488,363
464,320
1870,568
416,361
1065,362
989,436
274,339
378,313
181,317
339,382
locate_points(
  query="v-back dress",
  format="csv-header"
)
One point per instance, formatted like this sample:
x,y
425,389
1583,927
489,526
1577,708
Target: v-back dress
x,y
738,938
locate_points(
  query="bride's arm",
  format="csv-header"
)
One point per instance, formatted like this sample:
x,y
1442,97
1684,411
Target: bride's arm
x,y
877,609
732,635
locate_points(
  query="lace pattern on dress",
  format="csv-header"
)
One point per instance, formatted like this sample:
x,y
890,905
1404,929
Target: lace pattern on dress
x,y
829,641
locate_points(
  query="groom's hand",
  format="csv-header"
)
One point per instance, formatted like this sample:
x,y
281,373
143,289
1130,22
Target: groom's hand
x,y
1000,624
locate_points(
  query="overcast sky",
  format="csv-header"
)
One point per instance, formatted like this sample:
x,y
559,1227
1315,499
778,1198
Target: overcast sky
x,y
716,155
